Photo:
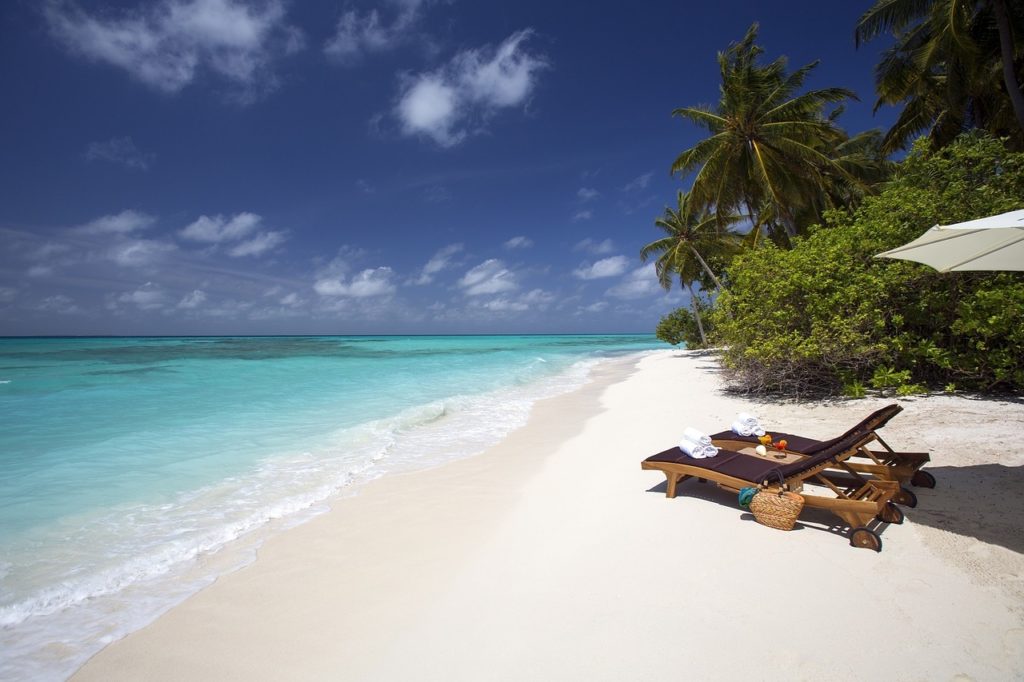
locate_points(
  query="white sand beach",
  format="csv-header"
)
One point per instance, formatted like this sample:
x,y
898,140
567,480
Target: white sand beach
x,y
553,556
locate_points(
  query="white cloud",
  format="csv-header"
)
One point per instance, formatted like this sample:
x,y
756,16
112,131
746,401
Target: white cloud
x,y
124,222
586,194
518,243
365,187
7,294
147,297
438,262
219,229
537,299
594,247
193,299
490,277
640,283
369,282
165,44
356,35
454,101
499,305
594,307
122,151
582,215
291,300
258,245
606,267
139,252
638,183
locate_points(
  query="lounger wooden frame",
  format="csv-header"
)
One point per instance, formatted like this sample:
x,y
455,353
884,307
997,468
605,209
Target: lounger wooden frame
x,y
861,503
885,464
866,461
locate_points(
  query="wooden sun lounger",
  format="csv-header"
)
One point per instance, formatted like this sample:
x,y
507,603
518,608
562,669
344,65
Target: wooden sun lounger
x,y
861,503
886,464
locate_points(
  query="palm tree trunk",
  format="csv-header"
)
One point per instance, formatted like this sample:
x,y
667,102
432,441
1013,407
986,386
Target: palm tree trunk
x,y
1006,46
696,315
703,264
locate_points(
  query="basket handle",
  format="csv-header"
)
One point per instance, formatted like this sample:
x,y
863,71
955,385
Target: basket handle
x,y
782,481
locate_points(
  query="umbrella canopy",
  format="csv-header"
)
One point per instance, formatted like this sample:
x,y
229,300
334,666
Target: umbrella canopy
x,y
993,243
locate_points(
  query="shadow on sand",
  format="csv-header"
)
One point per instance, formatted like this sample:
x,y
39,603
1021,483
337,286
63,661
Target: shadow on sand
x,y
810,519
984,502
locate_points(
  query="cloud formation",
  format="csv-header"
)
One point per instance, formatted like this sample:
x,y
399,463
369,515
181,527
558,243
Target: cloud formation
x,y
147,297
166,44
455,101
519,242
124,222
490,277
369,282
638,183
586,194
218,230
582,215
640,283
438,262
358,34
136,253
606,267
594,247
192,300
122,151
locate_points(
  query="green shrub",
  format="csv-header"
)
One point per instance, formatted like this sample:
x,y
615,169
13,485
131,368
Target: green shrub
x,y
828,316
679,326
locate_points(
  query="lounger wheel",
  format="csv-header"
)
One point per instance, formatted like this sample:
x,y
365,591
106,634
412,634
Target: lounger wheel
x,y
890,513
905,498
868,539
923,479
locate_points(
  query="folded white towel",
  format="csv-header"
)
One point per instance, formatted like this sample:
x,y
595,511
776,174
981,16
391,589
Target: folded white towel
x,y
696,436
697,450
692,449
746,425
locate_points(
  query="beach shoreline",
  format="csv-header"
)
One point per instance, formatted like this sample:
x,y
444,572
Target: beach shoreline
x,y
553,556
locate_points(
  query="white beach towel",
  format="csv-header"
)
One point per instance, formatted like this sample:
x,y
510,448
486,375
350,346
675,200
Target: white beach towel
x,y
696,436
747,425
695,449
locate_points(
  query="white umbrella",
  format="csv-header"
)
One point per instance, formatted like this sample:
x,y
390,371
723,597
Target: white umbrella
x,y
993,243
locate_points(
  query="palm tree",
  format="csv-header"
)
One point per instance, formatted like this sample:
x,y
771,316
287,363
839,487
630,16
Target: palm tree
x,y
689,238
944,67
768,148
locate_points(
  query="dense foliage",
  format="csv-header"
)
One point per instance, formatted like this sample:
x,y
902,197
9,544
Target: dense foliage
x,y
828,317
680,326
954,65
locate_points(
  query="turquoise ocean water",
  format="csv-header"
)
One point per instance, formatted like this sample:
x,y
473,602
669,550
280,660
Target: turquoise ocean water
x,y
135,470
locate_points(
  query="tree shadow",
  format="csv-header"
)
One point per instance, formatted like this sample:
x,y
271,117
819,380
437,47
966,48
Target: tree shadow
x,y
983,501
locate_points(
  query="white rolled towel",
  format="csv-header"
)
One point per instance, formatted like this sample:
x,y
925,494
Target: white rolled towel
x,y
747,425
696,436
697,450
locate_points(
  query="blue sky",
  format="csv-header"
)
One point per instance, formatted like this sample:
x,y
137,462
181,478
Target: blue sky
x,y
403,166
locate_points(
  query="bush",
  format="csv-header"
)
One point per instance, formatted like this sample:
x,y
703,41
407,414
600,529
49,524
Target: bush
x,y
827,317
680,326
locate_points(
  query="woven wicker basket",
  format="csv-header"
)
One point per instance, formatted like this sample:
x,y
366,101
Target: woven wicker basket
x,y
776,509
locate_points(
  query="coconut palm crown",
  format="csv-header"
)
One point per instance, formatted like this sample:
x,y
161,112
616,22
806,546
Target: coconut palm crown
x,y
768,149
